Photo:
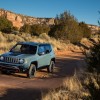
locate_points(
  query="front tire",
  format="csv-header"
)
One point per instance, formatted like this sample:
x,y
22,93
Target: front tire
x,y
31,72
50,69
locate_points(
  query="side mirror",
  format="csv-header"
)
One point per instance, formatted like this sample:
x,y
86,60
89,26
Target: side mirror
x,y
47,51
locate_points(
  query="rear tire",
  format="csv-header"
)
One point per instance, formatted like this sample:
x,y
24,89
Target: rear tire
x,y
50,68
31,72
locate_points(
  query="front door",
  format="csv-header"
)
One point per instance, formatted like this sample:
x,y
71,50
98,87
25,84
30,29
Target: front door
x,y
42,57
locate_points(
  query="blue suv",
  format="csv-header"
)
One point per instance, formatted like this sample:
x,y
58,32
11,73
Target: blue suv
x,y
27,57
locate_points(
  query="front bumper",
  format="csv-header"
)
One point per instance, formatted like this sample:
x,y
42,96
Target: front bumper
x,y
11,68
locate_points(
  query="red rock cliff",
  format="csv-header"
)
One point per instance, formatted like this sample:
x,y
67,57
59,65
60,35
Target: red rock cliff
x,y
19,20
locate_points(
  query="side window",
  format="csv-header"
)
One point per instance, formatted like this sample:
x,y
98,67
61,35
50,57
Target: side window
x,y
41,49
33,49
16,48
48,48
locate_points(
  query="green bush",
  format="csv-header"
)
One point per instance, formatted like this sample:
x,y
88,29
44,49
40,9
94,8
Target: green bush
x,y
66,28
5,25
35,29
25,28
93,62
14,28
86,31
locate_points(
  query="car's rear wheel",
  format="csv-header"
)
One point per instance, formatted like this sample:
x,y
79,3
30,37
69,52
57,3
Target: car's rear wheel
x,y
31,71
50,68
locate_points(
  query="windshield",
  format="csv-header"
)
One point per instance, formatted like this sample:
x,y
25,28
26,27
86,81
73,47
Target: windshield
x,y
24,48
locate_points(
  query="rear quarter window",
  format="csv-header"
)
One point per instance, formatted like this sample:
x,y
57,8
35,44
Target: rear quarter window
x,y
48,47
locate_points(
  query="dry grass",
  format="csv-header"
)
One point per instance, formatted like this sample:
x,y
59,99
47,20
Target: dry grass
x,y
86,42
94,79
76,87
72,89
8,40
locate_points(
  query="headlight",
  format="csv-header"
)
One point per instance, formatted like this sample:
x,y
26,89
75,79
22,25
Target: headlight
x,y
21,61
1,58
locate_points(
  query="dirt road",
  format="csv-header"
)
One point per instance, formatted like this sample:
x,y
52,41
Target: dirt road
x,y
18,87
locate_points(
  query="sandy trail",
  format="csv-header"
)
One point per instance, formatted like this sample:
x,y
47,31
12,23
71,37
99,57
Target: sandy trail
x,y
18,87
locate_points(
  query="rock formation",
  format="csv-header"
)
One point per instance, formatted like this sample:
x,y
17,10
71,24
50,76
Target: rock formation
x,y
19,20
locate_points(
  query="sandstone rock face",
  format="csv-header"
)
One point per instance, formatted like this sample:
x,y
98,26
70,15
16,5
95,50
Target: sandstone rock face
x,y
19,20
15,19
94,28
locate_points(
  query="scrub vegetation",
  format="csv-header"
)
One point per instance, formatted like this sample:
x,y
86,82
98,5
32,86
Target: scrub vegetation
x,y
84,85
66,32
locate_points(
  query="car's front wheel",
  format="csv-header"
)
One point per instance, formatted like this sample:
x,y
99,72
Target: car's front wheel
x,y
31,71
50,68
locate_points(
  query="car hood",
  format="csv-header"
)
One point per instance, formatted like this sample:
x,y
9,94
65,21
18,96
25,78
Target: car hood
x,y
17,55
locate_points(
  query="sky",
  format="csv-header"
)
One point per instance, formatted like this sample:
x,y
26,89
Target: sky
x,y
83,10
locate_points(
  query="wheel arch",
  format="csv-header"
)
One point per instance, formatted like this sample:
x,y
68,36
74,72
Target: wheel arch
x,y
53,59
35,63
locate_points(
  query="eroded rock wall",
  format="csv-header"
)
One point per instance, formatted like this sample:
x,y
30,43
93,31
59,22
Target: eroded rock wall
x,y
19,20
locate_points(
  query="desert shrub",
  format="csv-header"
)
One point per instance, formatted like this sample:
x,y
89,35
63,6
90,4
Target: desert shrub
x,y
2,38
14,28
93,62
25,28
44,36
66,28
5,25
13,38
92,83
39,29
86,31
36,29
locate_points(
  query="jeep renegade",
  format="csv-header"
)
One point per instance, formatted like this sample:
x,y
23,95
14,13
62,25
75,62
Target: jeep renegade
x,y
27,57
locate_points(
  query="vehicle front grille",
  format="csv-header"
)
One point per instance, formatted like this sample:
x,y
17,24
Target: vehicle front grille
x,y
11,60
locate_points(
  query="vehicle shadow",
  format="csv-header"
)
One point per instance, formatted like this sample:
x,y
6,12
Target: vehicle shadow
x,y
22,94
